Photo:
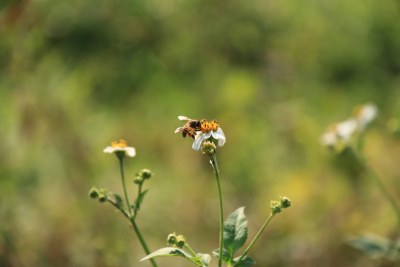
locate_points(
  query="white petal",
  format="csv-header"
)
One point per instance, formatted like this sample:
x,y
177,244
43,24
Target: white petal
x,y
183,118
109,149
367,114
329,138
219,134
199,138
130,151
346,128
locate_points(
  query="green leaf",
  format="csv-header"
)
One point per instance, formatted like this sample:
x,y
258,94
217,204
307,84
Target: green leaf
x,y
373,245
140,198
235,231
204,259
118,200
245,262
168,251
225,254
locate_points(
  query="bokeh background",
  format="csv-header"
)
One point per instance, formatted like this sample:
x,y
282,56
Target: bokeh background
x,y
75,75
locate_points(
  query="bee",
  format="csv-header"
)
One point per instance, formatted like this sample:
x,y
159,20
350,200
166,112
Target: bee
x,y
190,128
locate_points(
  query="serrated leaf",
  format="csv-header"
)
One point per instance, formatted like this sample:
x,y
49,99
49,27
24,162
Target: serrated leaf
x,y
235,231
167,251
245,262
373,245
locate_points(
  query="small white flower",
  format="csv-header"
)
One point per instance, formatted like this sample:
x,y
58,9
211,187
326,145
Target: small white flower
x,y
346,129
329,138
201,130
122,146
200,137
365,114
339,133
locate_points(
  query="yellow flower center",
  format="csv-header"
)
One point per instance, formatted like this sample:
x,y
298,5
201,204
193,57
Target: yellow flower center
x,y
121,143
207,126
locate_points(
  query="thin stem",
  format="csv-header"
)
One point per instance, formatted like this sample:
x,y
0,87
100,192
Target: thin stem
x,y
192,252
129,215
136,207
119,208
256,237
121,168
221,209
372,174
142,242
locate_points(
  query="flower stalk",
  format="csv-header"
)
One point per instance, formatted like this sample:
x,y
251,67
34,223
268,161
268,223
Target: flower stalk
x,y
256,237
214,164
121,169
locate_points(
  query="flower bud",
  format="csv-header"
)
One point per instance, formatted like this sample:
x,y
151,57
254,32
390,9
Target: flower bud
x,y
285,202
171,239
102,195
138,179
94,193
146,174
208,148
180,241
102,198
276,207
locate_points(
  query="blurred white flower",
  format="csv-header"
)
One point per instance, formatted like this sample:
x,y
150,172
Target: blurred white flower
x,y
365,114
329,138
120,146
345,129
341,133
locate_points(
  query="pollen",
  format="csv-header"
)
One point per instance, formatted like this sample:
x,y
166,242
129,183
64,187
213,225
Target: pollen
x,y
121,143
207,126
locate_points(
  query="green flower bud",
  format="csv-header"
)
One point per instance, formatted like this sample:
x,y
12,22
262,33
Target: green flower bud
x,y
102,195
276,207
94,193
208,148
146,174
102,198
180,241
285,202
138,180
171,239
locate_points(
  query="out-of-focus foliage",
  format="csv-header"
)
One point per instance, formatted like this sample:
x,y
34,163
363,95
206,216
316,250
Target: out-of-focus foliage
x,y
75,75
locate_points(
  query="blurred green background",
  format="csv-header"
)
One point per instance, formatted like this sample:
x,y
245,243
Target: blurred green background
x,y
76,75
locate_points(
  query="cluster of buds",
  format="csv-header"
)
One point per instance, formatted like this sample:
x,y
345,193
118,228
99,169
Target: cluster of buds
x,y
176,240
100,194
141,176
278,206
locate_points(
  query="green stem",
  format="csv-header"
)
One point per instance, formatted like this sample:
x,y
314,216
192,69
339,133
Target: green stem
x,y
257,236
129,215
192,252
142,242
221,209
119,208
136,207
371,173
121,168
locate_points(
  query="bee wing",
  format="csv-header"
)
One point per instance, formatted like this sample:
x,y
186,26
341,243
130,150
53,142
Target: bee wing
x,y
179,129
183,118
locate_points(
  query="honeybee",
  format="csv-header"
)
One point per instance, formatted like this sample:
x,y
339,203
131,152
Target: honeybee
x,y
190,128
